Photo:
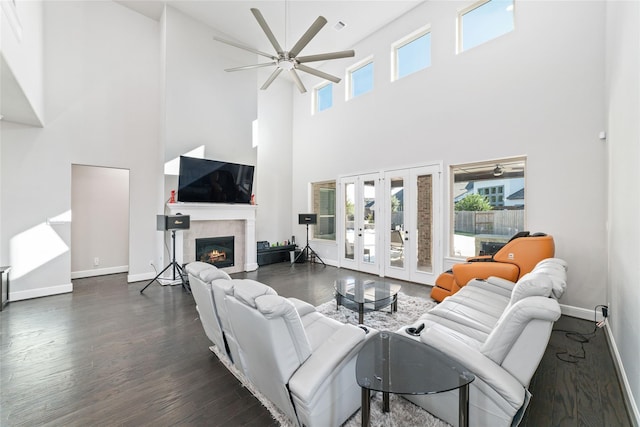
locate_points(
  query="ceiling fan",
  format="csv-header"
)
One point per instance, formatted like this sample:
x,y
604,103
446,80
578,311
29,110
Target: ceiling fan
x,y
289,60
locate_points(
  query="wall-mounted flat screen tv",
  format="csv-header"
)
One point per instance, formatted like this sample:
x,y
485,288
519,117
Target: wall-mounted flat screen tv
x,y
212,181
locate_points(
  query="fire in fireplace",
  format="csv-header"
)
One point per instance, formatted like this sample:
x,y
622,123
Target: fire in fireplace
x,y
216,250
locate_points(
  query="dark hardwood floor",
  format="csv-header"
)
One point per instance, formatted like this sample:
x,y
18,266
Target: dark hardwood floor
x,y
107,355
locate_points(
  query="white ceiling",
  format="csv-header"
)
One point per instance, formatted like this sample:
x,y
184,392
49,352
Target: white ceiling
x,y
234,20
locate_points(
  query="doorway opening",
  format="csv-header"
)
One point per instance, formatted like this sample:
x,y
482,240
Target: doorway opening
x,y
100,225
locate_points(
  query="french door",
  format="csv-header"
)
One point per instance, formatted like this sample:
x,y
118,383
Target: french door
x,y
360,215
412,235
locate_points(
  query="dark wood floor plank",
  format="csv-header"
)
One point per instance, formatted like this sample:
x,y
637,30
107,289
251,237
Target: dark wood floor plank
x,y
106,355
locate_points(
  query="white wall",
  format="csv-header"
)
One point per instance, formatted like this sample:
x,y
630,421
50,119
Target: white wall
x,y
204,105
623,144
536,91
274,180
100,226
102,108
21,32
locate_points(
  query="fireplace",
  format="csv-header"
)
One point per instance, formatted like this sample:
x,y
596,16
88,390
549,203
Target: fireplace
x,y
216,250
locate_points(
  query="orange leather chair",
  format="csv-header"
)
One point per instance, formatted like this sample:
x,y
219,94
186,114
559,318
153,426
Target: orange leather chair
x,y
511,262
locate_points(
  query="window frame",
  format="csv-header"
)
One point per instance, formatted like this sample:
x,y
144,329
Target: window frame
x,y
470,8
315,107
410,38
453,195
349,77
316,188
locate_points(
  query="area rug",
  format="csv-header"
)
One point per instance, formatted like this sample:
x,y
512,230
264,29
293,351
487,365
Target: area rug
x,y
403,413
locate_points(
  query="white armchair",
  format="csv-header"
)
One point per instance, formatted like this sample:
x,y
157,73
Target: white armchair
x,y
300,360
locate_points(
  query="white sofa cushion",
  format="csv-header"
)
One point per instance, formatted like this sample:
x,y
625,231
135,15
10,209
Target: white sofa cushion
x,y
274,307
196,267
247,290
532,284
214,274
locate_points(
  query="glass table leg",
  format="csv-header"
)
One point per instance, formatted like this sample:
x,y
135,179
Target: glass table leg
x,y
366,405
463,401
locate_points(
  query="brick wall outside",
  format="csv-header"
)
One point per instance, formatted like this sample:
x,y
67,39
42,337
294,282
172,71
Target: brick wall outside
x,y
425,222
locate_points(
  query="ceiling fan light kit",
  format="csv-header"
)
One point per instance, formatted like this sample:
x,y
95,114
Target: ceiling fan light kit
x,y
289,60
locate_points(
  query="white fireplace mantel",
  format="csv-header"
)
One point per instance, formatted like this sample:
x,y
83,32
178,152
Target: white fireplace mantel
x,y
221,212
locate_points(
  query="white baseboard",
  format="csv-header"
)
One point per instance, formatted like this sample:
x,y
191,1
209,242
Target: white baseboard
x,y
99,272
628,394
580,313
40,292
140,277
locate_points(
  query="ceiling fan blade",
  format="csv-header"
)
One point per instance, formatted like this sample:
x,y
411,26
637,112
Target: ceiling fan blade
x,y
245,47
326,56
306,37
297,81
249,67
265,27
318,73
271,78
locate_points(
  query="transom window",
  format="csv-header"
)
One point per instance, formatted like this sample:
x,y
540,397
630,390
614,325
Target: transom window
x,y
323,96
484,21
487,205
411,54
360,78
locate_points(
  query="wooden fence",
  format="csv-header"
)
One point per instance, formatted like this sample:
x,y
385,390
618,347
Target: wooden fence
x,y
505,222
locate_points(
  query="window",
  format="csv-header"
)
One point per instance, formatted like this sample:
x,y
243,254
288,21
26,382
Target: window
x,y
487,205
323,96
494,195
324,205
484,21
360,79
411,54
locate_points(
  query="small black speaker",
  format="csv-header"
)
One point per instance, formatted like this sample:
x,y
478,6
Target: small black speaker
x,y
307,218
173,222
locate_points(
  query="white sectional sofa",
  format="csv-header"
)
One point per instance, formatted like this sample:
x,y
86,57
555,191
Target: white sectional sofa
x,y
302,361
499,330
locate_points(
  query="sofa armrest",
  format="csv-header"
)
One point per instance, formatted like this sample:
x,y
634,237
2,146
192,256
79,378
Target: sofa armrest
x,y
480,258
302,307
477,363
342,344
463,273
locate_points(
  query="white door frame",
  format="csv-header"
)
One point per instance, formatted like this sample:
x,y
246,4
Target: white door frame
x,y
410,271
364,259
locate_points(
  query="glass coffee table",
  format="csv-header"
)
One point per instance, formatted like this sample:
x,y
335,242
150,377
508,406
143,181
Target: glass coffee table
x,y
364,295
392,363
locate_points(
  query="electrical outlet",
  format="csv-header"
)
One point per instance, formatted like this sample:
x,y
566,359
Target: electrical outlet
x,y
96,261
605,311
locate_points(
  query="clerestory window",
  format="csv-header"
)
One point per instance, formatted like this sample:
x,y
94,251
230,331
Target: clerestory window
x,y
484,21
360,79
411,54
323,97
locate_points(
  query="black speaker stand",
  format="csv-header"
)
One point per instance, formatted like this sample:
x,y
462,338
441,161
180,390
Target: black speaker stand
x,y
173,264
306,250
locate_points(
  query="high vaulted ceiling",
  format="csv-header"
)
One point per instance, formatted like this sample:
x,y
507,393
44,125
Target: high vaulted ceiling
x,y
287,19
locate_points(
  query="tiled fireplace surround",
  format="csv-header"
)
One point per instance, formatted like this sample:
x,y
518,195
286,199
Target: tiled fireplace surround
x,y
217,220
